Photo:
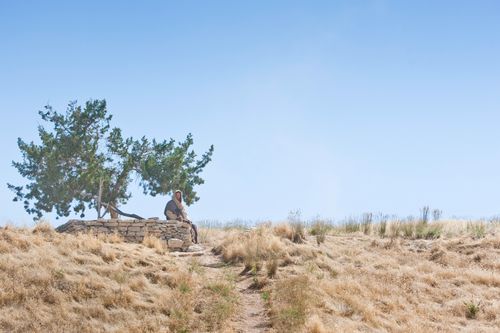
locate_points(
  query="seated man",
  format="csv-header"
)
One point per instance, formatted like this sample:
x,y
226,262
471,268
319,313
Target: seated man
x,y
174,210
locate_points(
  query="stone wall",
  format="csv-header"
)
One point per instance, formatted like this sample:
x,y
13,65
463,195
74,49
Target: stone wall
x,y
175,234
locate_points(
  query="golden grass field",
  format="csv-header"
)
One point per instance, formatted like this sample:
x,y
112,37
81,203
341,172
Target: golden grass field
x,y
438,277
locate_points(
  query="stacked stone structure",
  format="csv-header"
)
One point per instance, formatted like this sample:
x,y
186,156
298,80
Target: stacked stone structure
x,y
175,234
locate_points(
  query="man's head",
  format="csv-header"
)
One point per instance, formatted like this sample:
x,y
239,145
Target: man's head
x,y
178,195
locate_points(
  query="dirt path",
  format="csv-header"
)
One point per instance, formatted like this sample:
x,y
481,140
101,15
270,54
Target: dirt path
x,y
251,315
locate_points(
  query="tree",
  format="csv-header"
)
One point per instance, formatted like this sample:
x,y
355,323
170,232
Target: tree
x,y
84,163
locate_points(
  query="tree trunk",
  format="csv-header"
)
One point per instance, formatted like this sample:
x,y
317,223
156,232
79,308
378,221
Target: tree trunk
x,y
113,212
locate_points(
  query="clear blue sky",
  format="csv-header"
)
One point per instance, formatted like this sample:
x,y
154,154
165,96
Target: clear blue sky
x,y
331,107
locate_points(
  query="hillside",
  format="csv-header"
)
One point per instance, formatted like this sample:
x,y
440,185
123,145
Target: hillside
x,y
271,278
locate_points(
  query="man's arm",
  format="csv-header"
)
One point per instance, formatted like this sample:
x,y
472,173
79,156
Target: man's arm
x,y
169,211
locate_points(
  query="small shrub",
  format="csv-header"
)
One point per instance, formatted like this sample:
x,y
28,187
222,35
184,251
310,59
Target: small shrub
x,y
184,287
436,214
426,231
297,225
320,239
258,283
266,296
471,309
382,227
367,223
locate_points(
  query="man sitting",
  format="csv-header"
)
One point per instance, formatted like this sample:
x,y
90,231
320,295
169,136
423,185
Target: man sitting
x,y
174,210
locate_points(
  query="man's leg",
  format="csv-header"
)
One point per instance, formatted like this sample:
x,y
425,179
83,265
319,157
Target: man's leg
x,y
195,229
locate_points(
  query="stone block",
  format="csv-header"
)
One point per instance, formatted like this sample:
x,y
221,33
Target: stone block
x,y
93,223
175,243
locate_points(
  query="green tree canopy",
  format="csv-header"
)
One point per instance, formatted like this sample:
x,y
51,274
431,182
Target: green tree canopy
x,y
82,162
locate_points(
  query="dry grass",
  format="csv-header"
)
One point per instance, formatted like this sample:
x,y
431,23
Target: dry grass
x,y
290,301
53,282
441,276
350,282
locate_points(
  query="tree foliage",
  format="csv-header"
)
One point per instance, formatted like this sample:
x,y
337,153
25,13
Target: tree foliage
x,y
82,161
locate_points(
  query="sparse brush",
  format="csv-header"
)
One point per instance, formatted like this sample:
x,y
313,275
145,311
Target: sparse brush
x,y
43,227
137,283
90,242
252,247
154,243
314,325
319,229
294,231
320,239
258,283
252,267
351,225
194,266
326,267
382,228
428,231
476,229
108,255
298,227
424,214
283,230
220,304
85,284
204,235
272,268
395,229
113,238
